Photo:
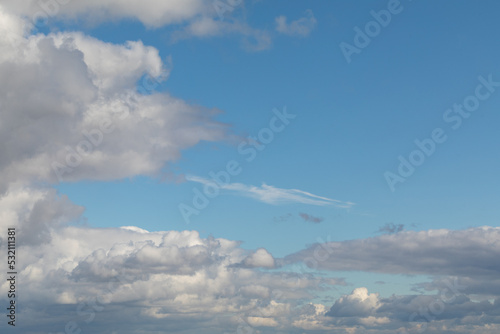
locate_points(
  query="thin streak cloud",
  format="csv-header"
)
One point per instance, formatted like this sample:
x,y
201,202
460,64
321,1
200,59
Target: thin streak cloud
x,y
273,195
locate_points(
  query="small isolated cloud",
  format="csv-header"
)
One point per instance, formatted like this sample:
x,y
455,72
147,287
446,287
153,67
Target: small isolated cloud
x,y
301,27
391,228
272,195
310,218
252,39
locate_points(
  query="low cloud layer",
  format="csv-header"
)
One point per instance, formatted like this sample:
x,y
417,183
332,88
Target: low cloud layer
x,y
135,278
130,280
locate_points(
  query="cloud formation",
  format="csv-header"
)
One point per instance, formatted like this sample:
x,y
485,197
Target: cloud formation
x,y
301,27
449,312
126,278
470,252
129,279
311,218
76,108
151,13
252,39
391,228
272,195
71,109
194,18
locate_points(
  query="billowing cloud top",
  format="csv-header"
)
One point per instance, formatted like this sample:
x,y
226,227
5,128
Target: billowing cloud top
x,y
71,110
127,278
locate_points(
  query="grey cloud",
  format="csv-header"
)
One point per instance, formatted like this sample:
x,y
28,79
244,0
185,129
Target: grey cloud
x,y
472,252
128,280
36,213
360,304
413,313
311,218
391,228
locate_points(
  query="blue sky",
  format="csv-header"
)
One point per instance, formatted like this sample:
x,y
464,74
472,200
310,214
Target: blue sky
x,y
321,179
353,121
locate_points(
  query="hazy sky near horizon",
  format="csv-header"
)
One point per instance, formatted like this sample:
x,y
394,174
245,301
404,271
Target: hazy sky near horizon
x,y
231,166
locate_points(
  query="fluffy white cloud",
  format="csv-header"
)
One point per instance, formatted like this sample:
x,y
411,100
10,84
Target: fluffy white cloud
x,y
359,303
71,110
196,18
260,258
152,13
252,39
128,279
106,273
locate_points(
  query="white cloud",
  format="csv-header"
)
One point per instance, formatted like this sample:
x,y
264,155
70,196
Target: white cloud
x,y
272,195
195,18
252,39
152,13
173,279
64,91
300,27
260,258
358,303
128,279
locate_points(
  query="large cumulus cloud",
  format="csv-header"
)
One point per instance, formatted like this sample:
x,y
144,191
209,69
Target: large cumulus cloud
x,y
131,277
76,108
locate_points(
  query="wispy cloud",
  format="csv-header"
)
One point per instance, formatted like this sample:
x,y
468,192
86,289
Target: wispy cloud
x,y
273,195
300,27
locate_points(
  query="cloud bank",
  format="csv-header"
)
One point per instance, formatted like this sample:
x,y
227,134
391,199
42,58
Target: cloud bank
x,y
130,280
